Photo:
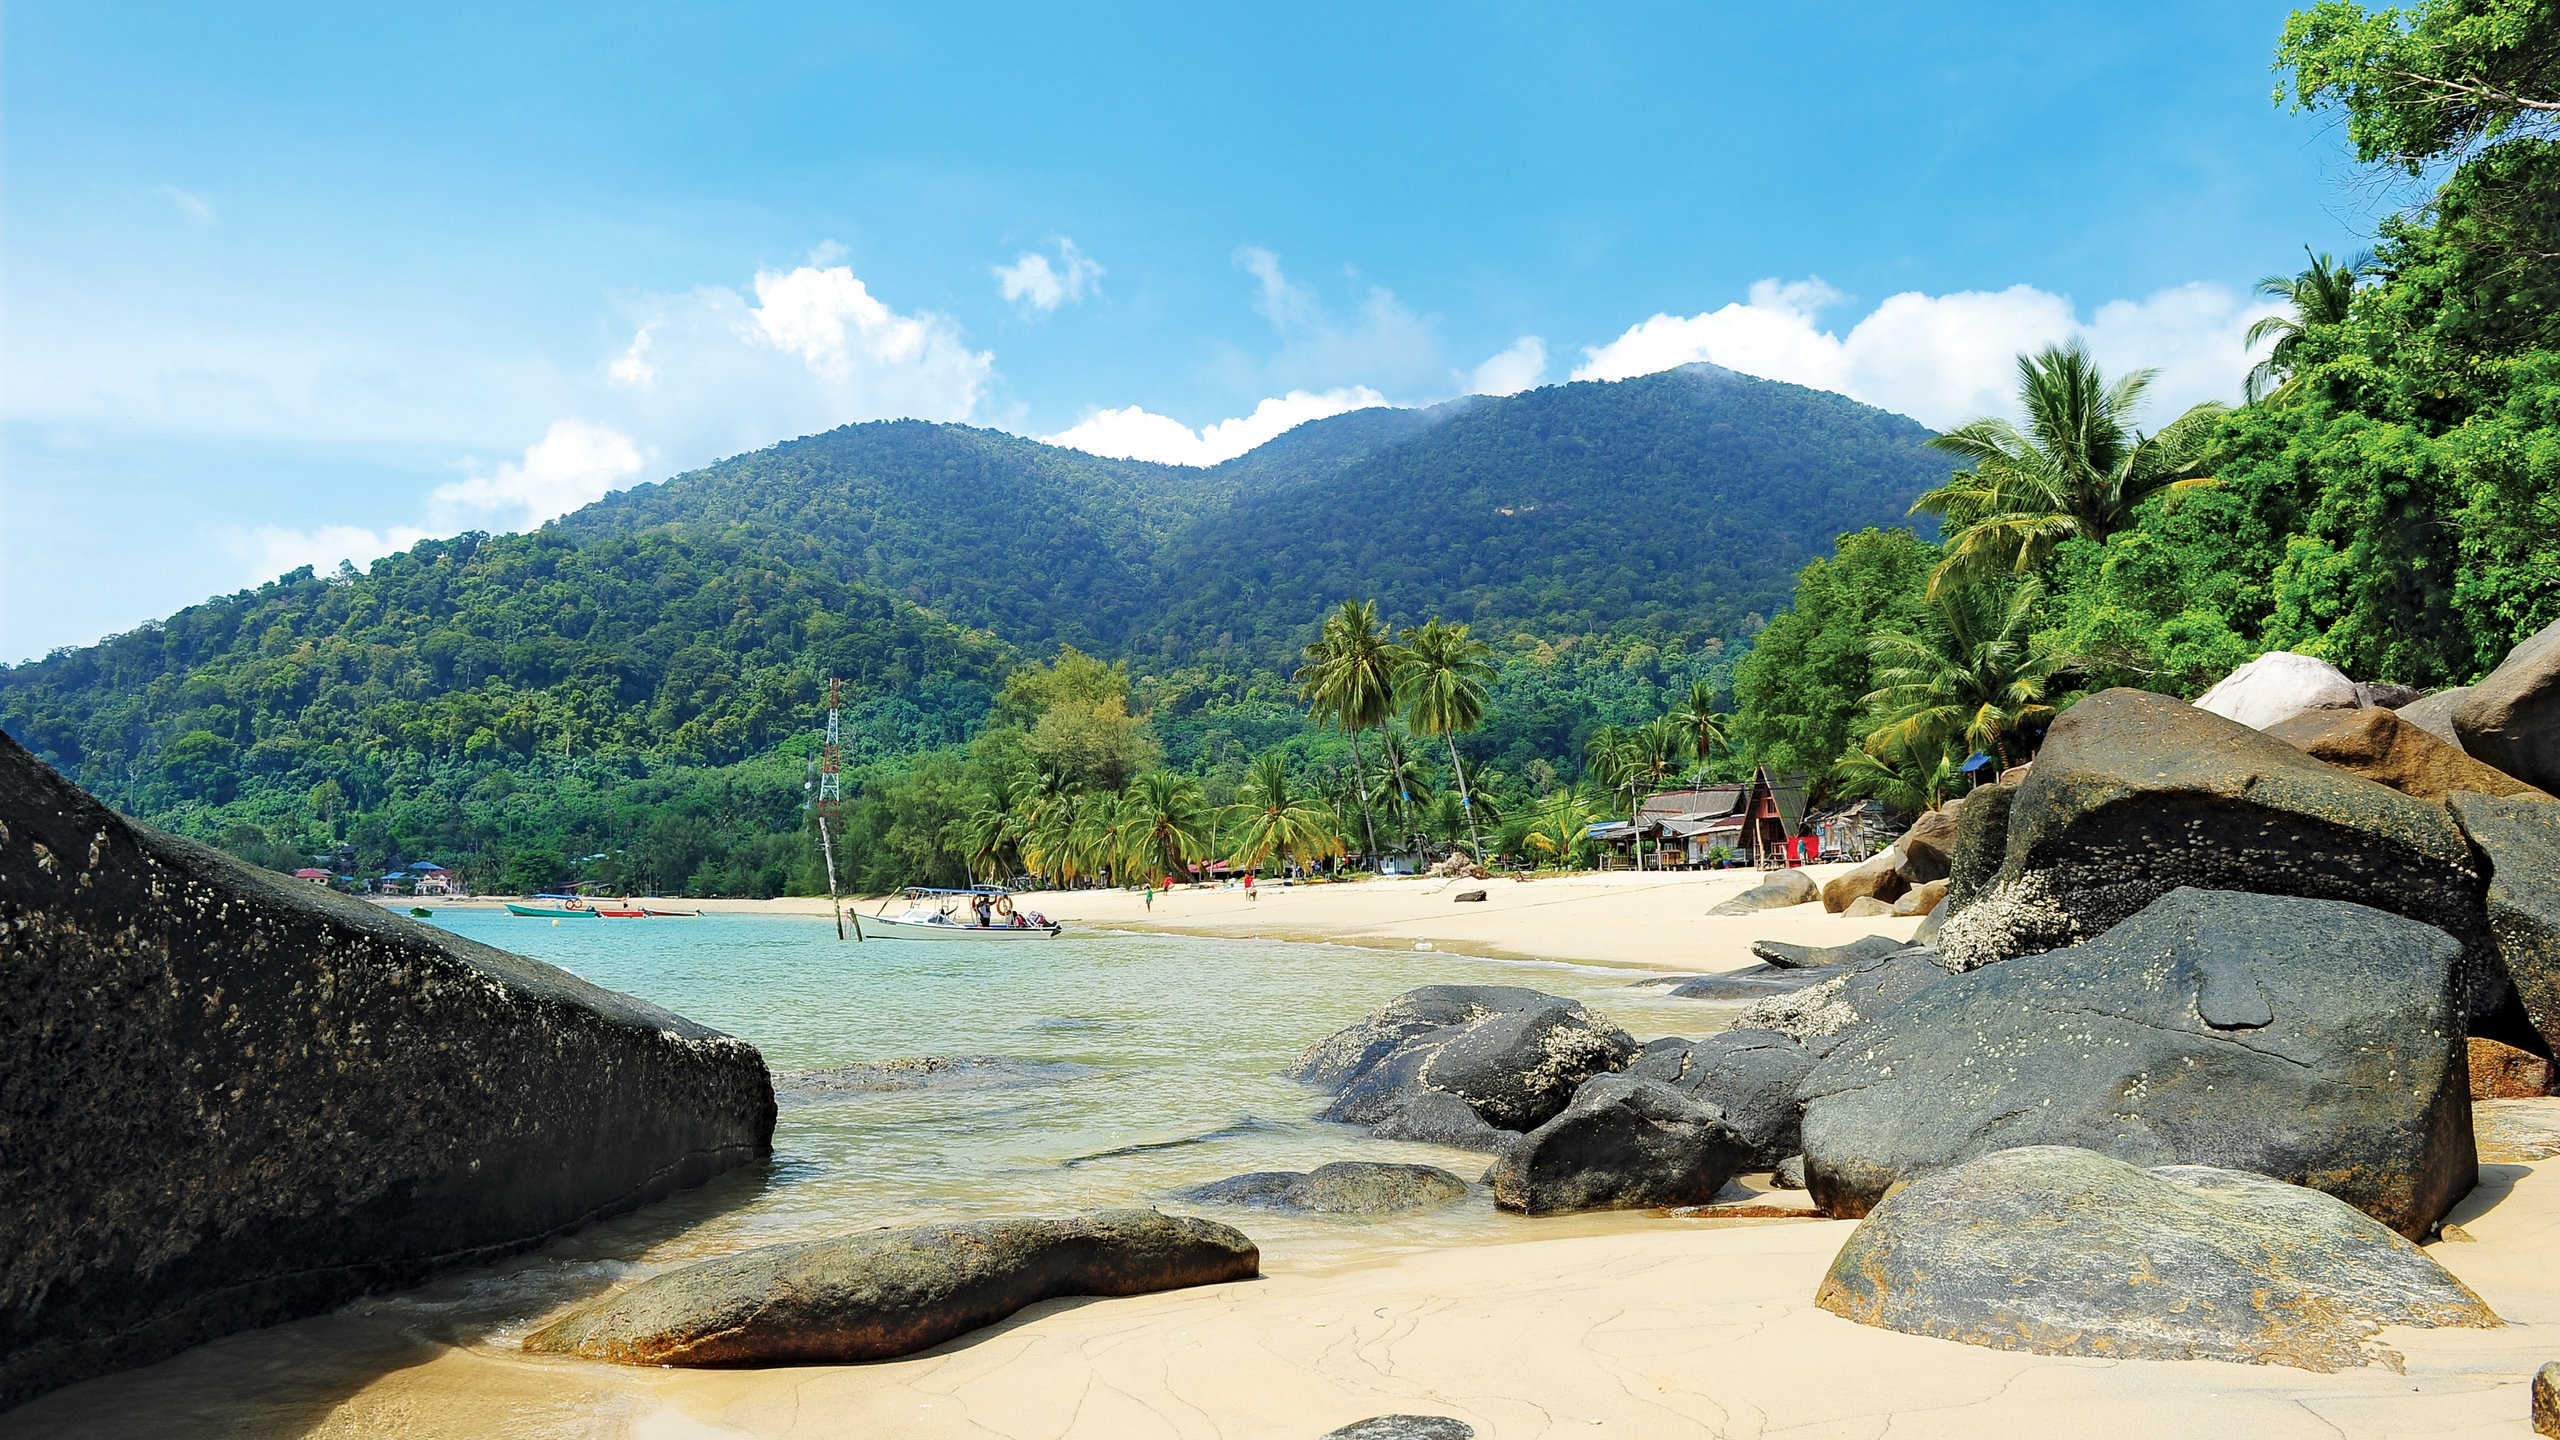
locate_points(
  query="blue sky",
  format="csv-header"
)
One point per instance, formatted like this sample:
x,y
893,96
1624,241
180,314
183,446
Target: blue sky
x,y
284,283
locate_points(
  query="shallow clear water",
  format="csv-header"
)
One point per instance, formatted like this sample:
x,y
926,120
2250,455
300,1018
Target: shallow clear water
x,y
1165,1055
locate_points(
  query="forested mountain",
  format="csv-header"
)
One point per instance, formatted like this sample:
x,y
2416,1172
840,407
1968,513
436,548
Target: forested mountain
x,y
639,679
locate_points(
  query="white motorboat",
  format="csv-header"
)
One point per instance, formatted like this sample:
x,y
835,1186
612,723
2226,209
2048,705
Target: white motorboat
x,y
953,915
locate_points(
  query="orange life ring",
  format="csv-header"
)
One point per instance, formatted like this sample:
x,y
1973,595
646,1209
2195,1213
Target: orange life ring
x,y
1004,906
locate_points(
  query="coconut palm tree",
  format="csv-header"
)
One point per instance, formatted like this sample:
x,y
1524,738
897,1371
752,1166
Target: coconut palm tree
x,y
1270,819
1906,783
2077,471
1697,717
2319,296
1167,818
1440,680
1555,829
1968,674
1349,682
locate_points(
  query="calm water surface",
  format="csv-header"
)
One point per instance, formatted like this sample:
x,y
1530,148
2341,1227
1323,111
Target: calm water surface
x,y
1164,1056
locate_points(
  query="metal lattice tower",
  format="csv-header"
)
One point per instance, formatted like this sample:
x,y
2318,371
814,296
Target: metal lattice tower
x,y
830,774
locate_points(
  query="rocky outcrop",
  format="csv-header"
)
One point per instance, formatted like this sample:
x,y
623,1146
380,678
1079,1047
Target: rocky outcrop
x,y
1750,1075
2278,686
1928,848
1822,957
1825,1015
1868,907
2383,748
2317,1042
228,1099
1403,1427
1982,845
2064,1252
2434,714
2511,718
2521,839
1345,1187
1879,878
1782,889
1514,1056
1436,1117
1921,899
1625,1143
891,1292
2135,794
2500,1071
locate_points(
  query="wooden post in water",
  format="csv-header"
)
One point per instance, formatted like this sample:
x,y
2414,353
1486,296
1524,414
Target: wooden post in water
x,y
830,804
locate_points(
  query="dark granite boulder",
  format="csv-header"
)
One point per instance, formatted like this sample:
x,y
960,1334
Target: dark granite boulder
x,y
1436,1117
2521,839
1982,845
1345,1187
2383,748
1514,1066
1625,1143
1752,983
2511,718
1835,1011
2136,794
2314,1041
1750,1075
1780,890
891,1292
2061,1251
1822,957
228,1099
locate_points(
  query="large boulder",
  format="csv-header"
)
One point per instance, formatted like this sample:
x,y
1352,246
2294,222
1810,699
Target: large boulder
x,y
1826,1015
1928,848
1921,899
1782,889
1436,1117
1879,878
2434,714
2135,794
2278,686
2061,1251
228,1099
1788,956
2311,1040
1982,845
2511,718
2382,747
1625,1143
2521,839
1750,1075
1514,1066
891,1292
2500,1071
1345,1187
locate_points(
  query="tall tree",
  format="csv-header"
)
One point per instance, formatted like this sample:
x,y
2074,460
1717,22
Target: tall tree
x,y
1442,682
2077,471
1167,819
2318,296
1271,819
1344,683
1699,721
1968,674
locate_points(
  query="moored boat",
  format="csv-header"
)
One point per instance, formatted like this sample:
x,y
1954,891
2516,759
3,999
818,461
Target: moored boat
x,y
569,908
954,915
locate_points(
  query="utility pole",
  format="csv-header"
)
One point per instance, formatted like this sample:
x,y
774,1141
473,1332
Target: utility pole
x,y
830,802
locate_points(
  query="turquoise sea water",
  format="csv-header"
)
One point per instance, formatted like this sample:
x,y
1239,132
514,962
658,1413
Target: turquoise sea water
x,y
1160,1069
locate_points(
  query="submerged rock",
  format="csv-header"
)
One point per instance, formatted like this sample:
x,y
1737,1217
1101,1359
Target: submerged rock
x,y
2310,1040
891,1292
230,1099
924,1072
2061,1251
1823,957
1345,1187
1625,1143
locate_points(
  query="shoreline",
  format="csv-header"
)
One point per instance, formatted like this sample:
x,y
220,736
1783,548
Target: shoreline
x,y
1654,923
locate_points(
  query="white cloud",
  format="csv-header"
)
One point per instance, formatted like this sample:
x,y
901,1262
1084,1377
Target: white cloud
x,y
197,209
1033,284
1381,343
1136,434
1946,359
575,463
273,550
1512,371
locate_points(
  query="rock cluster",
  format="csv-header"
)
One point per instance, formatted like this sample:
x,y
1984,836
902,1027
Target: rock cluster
x,y
891,1292
1432,1058
229,1099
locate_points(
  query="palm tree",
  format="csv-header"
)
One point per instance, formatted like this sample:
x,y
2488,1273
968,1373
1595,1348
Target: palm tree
x,y
1557,826
1906,783
2319,296
1270,819
1698,718
2077,471
1349,681
1442,681
1970,674
1168,821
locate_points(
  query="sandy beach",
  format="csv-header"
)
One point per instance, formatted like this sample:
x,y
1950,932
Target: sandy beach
x,y
1643,921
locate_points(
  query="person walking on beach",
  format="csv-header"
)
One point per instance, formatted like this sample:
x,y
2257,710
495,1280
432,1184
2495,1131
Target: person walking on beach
x,y
1151,897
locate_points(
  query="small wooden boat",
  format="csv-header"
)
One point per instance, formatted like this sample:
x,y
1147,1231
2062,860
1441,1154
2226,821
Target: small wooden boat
x,y
950,915
572,909
657,914
623,914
